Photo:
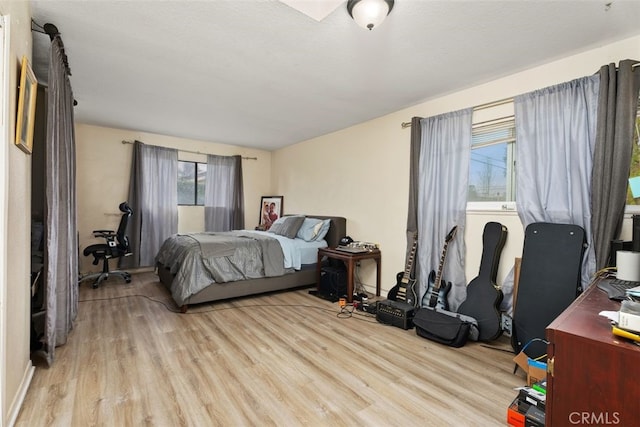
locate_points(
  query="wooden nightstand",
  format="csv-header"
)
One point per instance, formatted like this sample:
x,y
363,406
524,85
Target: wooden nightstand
x,y
350,259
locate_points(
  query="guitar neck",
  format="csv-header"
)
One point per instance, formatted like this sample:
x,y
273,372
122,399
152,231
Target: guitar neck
x,y
406,277
436,285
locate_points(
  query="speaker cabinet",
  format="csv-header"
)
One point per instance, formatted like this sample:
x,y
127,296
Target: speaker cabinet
x,y
333,282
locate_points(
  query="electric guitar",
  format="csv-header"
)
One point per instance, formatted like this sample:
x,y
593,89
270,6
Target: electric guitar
x,y
405,288
483,296
438,289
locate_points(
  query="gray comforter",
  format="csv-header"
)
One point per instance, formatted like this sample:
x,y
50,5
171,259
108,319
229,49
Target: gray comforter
x,y
199,259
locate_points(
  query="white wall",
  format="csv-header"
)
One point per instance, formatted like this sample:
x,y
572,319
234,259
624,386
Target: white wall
x,y
362,172
104,167
16,365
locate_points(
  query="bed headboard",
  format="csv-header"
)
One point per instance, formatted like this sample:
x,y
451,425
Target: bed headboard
x,y
337,229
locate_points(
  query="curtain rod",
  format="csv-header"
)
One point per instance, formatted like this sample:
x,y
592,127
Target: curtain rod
x,y
495,103
405,125
52,31
194,152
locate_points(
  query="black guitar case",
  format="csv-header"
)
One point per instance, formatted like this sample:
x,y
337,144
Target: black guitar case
x,y
483,297
549,282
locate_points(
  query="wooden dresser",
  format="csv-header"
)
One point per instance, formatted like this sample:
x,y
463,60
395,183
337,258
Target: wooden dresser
x,y
594,376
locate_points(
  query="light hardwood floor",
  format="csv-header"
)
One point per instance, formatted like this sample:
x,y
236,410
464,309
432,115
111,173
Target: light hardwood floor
x,y
282,359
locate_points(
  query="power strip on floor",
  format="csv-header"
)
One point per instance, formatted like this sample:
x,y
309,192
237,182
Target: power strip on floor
x,y
506,324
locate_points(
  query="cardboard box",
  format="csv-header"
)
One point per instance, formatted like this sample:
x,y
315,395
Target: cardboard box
x,y
514,417
536,371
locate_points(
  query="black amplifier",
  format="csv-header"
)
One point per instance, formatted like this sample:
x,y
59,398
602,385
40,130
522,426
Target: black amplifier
x,y
395,313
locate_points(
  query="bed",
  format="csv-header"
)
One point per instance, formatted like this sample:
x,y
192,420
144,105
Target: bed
x,y
190,277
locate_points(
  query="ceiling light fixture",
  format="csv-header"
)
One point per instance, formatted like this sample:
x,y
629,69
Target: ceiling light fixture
x,y
369,13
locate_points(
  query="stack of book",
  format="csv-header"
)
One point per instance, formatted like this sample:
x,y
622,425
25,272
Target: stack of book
x,y
629,316
527,409
628,321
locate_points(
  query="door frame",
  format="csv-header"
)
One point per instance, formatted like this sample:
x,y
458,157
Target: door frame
x,y
5,126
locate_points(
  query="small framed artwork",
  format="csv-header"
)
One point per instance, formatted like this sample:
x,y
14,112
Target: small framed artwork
x,y
26,107
270,210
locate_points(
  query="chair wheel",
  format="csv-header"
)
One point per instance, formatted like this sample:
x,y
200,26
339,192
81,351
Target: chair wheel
x,y
127,280
95,285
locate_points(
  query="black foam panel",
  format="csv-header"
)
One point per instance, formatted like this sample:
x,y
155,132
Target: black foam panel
x,y
549,281
636,233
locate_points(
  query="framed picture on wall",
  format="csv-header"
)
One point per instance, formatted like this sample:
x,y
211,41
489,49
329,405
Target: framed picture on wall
x,y
270,210
26,107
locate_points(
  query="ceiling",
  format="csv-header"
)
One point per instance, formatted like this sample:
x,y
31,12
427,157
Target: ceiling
x,y
259,73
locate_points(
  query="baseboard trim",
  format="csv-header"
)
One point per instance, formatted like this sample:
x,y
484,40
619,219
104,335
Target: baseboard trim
x,y
16,405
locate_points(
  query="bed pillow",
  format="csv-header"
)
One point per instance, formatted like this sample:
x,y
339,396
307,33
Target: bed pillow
x,y
324,229
309,229
287,226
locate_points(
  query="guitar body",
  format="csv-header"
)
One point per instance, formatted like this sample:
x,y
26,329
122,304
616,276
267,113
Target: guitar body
x,y
402,291
437,288
483,297
393,292
436,298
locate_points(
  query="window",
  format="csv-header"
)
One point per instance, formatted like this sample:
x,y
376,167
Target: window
x,y
191,178
635,162
492,165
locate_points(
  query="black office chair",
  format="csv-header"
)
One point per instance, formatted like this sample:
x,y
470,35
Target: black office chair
x,y
117,246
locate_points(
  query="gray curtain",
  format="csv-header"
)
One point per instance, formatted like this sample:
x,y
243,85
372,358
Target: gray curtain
x,y
617,105
555,133
414,164
61,245
224,194
135,222
442,198
153,196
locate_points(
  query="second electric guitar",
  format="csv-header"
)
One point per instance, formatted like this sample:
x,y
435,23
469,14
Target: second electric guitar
x,y
438,289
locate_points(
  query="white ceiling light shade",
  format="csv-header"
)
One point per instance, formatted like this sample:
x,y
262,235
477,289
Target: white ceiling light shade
x,y
369,13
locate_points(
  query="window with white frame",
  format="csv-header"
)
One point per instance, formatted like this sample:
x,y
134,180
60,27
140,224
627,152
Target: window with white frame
x,y
191,179
492,165
492,169
635,164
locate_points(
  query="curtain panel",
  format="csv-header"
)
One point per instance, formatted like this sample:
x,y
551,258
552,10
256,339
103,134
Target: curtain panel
x,y
414,164
135,221
224,194
153,196
443,182
617,109
556,130
61,241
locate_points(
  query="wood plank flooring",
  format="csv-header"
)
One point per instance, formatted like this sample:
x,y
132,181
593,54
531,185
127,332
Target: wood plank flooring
x,y
282,359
